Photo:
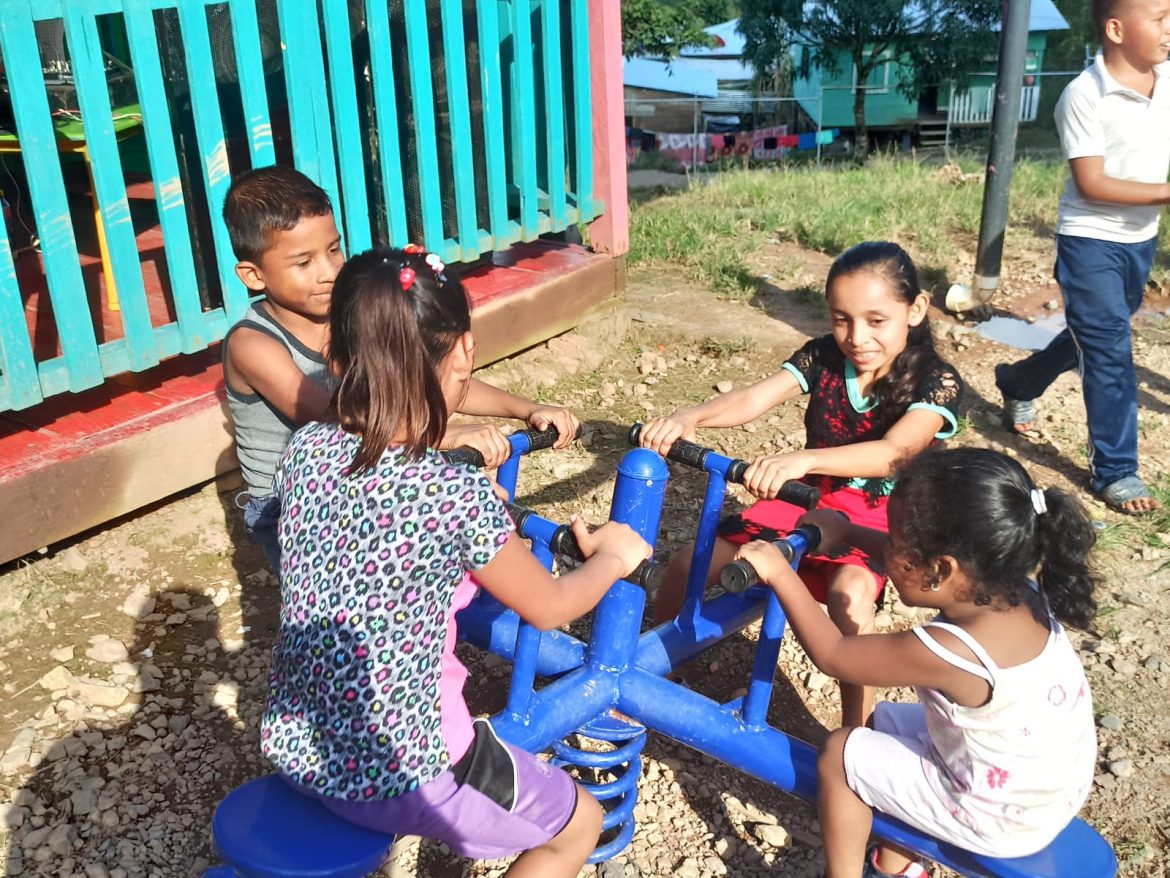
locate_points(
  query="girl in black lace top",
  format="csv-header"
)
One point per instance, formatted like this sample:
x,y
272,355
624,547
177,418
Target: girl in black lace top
x,y
878,394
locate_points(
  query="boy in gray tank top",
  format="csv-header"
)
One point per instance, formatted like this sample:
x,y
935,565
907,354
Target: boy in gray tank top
x,y
275,369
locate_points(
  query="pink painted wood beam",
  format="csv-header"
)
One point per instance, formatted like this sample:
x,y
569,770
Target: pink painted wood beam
x,y
609,233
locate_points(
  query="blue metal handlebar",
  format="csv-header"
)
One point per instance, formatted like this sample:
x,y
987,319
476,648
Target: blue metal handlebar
x,y
732,469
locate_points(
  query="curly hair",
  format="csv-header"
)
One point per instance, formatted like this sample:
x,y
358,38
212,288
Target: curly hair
x,y
978,506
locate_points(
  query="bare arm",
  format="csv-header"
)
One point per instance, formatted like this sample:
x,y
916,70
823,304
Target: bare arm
x,y
868,659
912,433
726,410
485,400
837,530
518,580
259,364
1089,175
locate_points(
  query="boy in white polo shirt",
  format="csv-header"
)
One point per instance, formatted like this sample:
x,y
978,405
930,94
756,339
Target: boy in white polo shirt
x,y
1114,123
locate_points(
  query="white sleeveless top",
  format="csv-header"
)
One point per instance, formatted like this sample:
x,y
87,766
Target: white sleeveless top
x,y
1023,762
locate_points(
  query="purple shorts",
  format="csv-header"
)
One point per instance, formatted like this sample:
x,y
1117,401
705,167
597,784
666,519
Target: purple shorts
x,y
496,801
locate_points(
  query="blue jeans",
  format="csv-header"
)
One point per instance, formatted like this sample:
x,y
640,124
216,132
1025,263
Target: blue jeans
x,y
1102,283
260,517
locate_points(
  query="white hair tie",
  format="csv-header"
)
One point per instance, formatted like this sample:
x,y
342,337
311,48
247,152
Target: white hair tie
x,y
1038,501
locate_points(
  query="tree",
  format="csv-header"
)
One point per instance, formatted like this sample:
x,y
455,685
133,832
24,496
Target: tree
x,y
657,29
660,28
936,40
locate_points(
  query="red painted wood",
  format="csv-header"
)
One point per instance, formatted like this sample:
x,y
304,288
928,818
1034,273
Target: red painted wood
x,y
69,425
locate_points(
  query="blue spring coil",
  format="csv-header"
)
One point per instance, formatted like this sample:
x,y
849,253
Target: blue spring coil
x,y
624,761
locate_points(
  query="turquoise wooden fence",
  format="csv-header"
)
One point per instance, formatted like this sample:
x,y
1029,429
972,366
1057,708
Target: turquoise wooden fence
x,y
463,125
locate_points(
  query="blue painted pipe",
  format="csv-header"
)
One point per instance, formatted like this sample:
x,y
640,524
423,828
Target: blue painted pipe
x,y
637,501
698,722
664,648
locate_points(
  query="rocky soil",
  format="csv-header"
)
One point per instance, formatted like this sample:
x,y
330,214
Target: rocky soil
x,y
134,659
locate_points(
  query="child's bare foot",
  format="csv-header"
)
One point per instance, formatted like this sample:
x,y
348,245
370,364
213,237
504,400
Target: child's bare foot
x,y
1129,495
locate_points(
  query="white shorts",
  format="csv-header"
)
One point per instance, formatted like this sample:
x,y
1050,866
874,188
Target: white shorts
x,y
886,767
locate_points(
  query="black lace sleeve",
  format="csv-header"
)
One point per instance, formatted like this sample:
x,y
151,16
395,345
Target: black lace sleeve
x,y
941,390
810,359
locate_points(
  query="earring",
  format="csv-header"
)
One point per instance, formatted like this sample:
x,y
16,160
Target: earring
x,y
934,584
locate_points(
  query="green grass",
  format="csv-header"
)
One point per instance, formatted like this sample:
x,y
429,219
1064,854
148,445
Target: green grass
x,y
710,231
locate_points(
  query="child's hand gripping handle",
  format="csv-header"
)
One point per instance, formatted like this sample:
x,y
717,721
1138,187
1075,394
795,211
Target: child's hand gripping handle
x,y
522,441
739,576
692,454
562,542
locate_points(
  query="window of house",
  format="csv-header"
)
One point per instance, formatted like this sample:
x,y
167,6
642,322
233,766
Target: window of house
x,y
878,81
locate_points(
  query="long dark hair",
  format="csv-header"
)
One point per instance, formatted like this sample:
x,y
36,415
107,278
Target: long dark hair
x,y
978,506
386,344
890,262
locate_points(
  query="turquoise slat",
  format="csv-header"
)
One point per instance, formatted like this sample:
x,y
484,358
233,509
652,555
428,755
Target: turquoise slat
x,y
253,92
30,106
418,55
389,147
308,100
492,92
19,385
459,111
355,203
164,169
213,150
554,110
93,100
582,110
523,102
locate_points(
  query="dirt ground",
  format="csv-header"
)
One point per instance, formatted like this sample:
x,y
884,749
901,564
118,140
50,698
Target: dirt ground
x,y
134,658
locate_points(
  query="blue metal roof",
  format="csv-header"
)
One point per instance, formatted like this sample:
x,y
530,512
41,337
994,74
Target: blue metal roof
x,y
663,76
728,40
1045,16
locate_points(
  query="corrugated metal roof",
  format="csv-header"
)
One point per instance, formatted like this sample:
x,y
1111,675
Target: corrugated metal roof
x,y
723,69
672,77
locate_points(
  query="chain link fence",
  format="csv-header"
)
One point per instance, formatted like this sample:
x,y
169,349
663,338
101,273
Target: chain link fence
x,y
695,133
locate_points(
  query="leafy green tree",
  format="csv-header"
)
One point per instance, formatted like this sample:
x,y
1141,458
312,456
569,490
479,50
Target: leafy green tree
x,y
1066,48
660,28
934,40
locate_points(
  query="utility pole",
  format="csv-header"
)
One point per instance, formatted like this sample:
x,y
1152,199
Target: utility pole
x,y
1001,154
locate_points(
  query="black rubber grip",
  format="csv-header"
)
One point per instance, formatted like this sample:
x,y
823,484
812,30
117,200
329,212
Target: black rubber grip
x,y
799,494
737,577
647,574
539,439
740,575
464,454
681,451
736,470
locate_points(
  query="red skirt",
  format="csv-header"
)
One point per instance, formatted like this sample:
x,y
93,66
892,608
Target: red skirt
x,y
773,519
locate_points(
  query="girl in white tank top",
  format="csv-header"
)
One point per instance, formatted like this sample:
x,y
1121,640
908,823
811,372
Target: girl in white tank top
x,y
998,755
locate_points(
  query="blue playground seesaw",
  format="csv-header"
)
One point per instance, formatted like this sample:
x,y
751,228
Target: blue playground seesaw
x,y
613,688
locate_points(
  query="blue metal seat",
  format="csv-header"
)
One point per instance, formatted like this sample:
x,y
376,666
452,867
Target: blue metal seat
x,y
266,829
1078,852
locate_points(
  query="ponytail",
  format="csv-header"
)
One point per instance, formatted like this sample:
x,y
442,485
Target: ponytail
x,y
899,387
983,509
1066,578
